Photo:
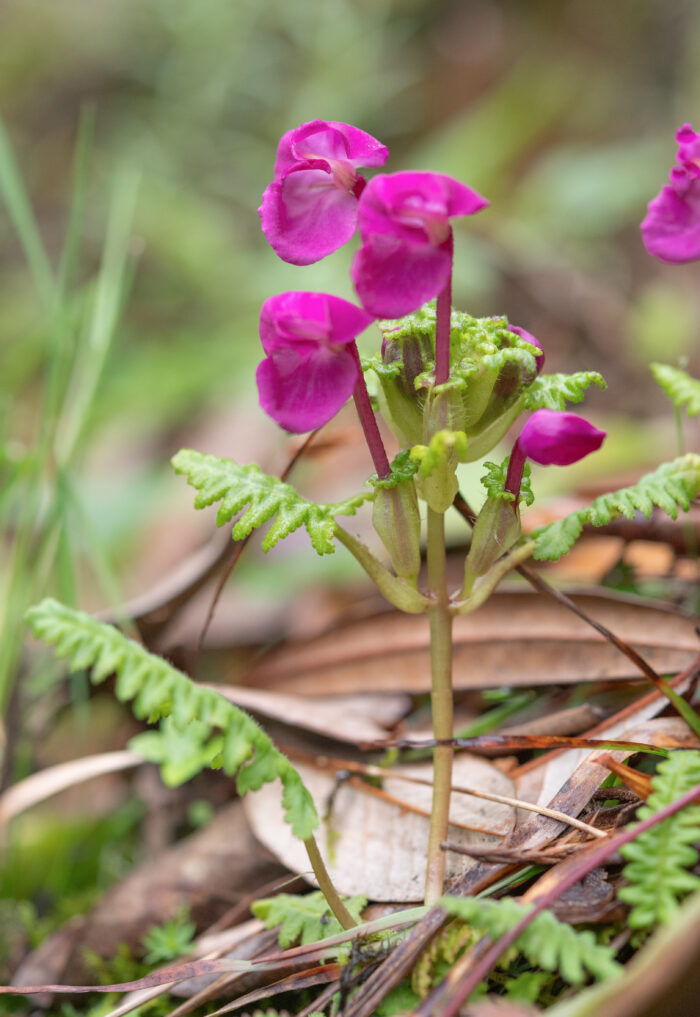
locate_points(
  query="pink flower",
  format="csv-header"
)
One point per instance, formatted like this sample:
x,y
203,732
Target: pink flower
x,y
406,253
558,439
551,439
311,366
671,229
310,208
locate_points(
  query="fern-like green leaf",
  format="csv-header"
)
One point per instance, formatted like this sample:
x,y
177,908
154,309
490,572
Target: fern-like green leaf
x,y
494,480
188,740
672,486
554,391
306,918
262,497
659,860
546,942
681,389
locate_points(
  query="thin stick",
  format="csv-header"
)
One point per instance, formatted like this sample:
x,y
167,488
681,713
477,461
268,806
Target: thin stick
x,y
377,771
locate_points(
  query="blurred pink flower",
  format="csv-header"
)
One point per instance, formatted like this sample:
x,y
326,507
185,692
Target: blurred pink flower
x,y
671,229
310,208
406,253
311,365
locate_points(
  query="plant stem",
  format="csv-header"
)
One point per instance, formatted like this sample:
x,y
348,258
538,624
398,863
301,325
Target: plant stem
x,y
369,421
325,884
441,703
443,317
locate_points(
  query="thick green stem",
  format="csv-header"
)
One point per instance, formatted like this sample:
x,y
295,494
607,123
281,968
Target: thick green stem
x,y
441,702
326,885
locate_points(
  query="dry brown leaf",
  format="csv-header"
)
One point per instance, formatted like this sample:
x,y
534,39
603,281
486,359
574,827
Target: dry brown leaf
x,y
516,638
350,719
375,847
53,779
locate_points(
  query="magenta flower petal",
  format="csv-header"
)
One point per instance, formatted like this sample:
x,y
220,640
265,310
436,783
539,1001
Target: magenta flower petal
x,y
311,369
302,391
415,207
404,222
393,278
303,319
529,338
310,208
671,228
305,216
329,141
558,439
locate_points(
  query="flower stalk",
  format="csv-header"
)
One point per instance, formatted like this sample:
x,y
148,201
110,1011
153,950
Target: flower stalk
x,y
441,703
369,421
442,322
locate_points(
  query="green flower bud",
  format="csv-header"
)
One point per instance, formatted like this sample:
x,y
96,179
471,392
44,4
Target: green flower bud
x,y
396,519
496,530
490,367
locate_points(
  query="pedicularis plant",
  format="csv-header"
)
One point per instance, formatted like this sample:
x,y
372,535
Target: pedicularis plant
x,y
449,386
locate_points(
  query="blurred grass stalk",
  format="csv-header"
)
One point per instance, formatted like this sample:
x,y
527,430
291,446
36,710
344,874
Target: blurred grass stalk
x,y
81,323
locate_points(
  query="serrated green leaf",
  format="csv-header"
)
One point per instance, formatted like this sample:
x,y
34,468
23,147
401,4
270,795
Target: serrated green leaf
x,y
260,498
682,390
494,480
672,486
658,860
546,942
186,742
554,391
306,918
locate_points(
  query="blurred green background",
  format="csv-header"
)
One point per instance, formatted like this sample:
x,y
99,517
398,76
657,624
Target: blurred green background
x,y
139,137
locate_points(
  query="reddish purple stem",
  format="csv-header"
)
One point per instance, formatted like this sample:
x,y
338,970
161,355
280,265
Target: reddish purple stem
x,y
442,323
369,421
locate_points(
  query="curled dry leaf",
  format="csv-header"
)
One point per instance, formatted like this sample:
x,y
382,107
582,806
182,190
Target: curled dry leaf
x,y
374,846
516,638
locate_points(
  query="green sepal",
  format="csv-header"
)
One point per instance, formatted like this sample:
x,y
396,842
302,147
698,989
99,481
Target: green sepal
x,y
262,497
554,391
396,521
398,592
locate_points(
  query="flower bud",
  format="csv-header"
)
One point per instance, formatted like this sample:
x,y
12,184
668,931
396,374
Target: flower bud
x,y
396,519
410,354
496,530
558,439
